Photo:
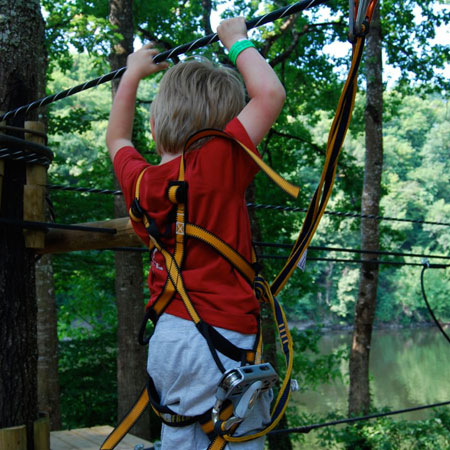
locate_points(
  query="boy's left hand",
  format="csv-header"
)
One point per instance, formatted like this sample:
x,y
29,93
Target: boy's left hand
x,y
140,63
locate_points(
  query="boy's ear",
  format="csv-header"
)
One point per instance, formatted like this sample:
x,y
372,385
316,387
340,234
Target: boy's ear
x,y
152,127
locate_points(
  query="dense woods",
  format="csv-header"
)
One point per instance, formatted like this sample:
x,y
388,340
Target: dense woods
x,y
310,53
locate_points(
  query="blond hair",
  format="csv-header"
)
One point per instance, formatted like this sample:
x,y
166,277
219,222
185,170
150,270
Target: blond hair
x,y
194,94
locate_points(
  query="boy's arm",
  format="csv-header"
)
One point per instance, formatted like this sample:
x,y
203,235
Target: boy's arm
x,y
265,90
120,125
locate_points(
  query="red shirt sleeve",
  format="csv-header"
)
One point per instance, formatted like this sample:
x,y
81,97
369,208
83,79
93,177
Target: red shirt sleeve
x,y
128,164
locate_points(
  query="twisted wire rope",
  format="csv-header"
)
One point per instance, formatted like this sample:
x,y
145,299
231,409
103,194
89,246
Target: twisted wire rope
x,y
181,49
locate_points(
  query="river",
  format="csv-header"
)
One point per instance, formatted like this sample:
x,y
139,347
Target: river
x,y
408,367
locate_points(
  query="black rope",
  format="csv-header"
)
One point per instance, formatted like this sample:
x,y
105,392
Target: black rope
x,y
201,42
23,130
427,266
21,155
359,261
308,428
345,214
350,250
32,225
284,257
20,149
58,187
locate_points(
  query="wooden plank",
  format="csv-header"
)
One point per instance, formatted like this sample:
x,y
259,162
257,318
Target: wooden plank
x,y
91,439
59,241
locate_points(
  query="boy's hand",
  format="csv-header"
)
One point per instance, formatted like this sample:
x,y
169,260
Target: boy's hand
x,y
140,64
232,30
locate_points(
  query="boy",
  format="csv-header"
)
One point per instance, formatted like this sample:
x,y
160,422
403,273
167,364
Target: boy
x,y
195,95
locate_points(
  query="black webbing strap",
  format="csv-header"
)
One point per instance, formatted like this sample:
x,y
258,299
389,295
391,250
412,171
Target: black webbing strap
x,y
322,194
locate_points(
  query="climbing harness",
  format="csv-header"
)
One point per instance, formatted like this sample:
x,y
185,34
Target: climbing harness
x,y
239,388
221,422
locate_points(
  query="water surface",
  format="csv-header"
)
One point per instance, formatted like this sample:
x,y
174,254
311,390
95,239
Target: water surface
x,y
408,367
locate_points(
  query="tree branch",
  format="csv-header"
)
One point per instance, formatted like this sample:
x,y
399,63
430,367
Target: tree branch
x,y
295,38
318,149
206,18
275,36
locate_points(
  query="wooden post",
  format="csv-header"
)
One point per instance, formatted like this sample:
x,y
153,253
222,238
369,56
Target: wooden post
x,y
42,433
13,438
34,191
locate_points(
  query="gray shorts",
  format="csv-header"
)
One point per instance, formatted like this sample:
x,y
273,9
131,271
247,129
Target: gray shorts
x,y
186,378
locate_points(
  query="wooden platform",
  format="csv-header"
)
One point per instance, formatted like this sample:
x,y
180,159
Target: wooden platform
x,y
91,439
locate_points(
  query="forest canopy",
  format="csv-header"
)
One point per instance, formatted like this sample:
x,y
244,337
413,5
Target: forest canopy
x,y
311,54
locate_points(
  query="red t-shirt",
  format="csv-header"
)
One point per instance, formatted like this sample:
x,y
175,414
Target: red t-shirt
x,y
217,175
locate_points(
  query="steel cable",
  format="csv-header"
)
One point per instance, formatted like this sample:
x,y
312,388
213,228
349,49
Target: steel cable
x,y
181,49
308,428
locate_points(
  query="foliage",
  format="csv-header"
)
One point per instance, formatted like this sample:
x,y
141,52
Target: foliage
x,y
409,33
87,374
310,367
389,434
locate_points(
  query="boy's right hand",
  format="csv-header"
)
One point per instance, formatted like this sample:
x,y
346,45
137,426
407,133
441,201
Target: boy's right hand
x,y
140,63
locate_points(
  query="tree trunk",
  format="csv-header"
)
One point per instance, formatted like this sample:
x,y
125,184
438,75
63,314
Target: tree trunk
x,y
131,357
22,78
47,320
359,394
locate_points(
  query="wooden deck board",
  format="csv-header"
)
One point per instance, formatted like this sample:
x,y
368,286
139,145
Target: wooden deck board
x,y
90,439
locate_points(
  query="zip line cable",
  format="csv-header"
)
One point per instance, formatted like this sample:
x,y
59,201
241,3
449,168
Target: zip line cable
x,y
345,214
181,49
283,257
308,428
359,261
427,265
59,187
31,225
351,250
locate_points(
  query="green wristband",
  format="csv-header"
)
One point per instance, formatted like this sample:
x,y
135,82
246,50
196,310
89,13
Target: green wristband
x,y
238,47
